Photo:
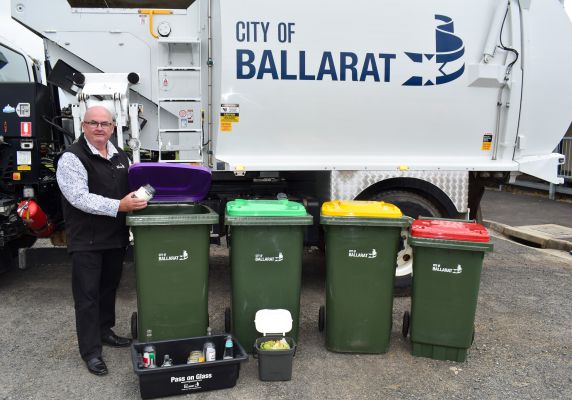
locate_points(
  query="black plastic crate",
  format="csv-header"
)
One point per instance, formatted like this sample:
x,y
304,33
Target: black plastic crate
x,y
183,378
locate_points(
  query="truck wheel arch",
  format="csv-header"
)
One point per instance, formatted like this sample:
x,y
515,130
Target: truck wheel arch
x,y
412,190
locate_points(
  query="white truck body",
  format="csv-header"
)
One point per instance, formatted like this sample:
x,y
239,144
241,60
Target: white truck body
x,y
415,101
302,85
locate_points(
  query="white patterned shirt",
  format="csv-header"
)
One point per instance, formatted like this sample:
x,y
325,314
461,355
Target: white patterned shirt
x,y
72,180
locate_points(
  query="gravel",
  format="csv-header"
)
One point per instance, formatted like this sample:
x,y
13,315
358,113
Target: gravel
x,y
522,347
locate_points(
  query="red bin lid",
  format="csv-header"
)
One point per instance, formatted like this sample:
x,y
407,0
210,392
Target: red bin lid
x,y
449,230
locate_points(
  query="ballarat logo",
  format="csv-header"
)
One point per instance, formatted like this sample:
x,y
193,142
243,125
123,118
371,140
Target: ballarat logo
x,y
439,268
362,254
449,50
264,258
167,257
292,61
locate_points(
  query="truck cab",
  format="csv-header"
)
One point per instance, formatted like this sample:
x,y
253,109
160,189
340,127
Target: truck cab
x,y
27,149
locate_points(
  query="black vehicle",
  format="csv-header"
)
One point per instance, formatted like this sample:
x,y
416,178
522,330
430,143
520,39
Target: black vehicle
x,y
29,143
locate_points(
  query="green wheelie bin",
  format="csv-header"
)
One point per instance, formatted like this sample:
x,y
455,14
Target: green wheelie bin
x,y
171,252
447,263
267,243
362,240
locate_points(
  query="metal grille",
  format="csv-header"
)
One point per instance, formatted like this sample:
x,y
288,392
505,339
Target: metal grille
x,y
565,147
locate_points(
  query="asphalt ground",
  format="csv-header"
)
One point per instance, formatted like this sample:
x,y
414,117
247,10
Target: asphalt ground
x,y
516,207
529,217
522,348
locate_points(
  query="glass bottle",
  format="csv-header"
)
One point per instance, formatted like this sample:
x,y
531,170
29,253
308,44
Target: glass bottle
x,y
228,348
167,361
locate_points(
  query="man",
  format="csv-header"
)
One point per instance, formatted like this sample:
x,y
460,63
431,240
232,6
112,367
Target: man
x,y
92,176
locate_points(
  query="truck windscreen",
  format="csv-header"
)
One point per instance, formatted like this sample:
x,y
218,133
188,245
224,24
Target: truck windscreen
x,y
13,67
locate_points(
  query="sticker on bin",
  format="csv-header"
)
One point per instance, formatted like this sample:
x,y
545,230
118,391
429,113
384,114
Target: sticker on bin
x,y
173,257
277,321
362,254
442,268
259,257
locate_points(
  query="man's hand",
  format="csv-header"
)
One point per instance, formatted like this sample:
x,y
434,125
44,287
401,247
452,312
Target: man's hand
x,y
131,203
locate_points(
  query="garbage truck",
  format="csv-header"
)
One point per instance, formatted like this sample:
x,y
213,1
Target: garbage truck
x,y
417,103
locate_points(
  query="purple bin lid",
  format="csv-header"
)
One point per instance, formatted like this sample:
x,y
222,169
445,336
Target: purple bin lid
x,y
172,182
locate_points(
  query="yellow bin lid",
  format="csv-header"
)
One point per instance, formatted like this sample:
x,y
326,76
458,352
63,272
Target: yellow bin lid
x,y
360,208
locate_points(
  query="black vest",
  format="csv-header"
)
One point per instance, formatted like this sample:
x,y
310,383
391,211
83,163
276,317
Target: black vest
x,y
108,178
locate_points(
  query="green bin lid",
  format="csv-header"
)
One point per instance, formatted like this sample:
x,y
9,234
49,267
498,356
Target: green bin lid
x,y
266,213
264,208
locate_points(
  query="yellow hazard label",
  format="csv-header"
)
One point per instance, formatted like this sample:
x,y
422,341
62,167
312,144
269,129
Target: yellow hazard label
x,y
487,142
225,126
229,114
24,167
229,117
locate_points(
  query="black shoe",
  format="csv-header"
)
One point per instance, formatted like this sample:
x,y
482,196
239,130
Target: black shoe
x,y
96,366
111,339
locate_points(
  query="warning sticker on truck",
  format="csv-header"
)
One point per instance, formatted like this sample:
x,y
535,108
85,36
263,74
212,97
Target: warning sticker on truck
x,y
225,126
186,118
24,157
23,110
229,114
487,141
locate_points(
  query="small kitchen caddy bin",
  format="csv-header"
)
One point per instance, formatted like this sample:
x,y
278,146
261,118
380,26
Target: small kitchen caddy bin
x,y
274,365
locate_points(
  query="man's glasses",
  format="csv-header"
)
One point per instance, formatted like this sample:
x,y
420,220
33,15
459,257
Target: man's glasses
x,y
95,124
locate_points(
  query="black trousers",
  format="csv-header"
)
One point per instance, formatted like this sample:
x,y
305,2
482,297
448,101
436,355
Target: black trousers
x,y
95,278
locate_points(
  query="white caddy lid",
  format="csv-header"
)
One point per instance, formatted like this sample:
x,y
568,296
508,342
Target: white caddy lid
x,y
273,321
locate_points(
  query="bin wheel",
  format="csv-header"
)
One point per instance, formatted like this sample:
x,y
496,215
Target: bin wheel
x,y
227,320
321,318
405,326
134,325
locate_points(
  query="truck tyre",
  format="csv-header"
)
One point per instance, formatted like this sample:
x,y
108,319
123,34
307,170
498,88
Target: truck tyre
x,y
24,241
413,205
6,259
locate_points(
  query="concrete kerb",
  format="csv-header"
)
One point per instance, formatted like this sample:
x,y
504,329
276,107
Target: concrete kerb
x,y
545,242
